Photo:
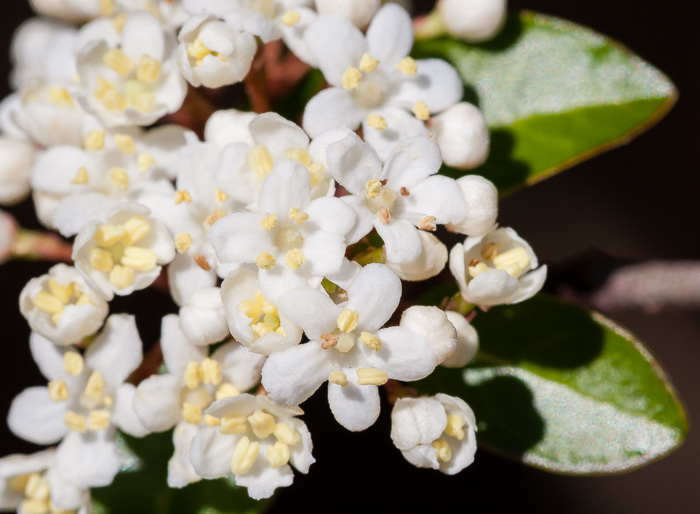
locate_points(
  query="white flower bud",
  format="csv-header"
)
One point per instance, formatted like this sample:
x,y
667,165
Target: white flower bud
x,y
467,342
16,159
203,318
429,263
462,135
8,230
358,12
433,324
473,20
481,197
229,126
65,10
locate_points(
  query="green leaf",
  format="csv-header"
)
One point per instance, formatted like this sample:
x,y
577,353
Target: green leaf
x,y
141,486
565,390
553,94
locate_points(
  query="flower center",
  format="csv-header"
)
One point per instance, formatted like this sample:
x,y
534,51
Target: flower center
x,y
264,316
55,298
514,261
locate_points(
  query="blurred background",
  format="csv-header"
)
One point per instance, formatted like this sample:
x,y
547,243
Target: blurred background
x,y
638,202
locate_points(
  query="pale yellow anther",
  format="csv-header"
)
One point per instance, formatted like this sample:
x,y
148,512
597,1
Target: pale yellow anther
x,y
514,261
95,385
211,421
244,455
250,308
444,452
106,7
407,66
265,261
125,143
455,422
121,277
75,421
58,390
286,434
118,21
489,251
107,93
100,260
272,321
183,242
298,154
61,292
197,51
260,161
210,371
278,454
140,95
233,424
367,64
213,218
262,424
118,61
47,302
107,400
98,420
373,187
351,78
348,319
95,140
372,376
60,96
377,122
32,506
37,488
73,363
134,230
219,195
290,18
421,110
107,235
371,341
192,377
119,178
477,268
148,70
182,196
260,329
338,377
226,390
384,215
427,223
18,483
269,222
316,170
346,342
296,215
294,258
83,299
81,177
144,161
141,259
191,413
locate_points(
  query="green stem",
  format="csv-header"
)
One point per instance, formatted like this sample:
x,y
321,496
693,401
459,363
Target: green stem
x,y
429,26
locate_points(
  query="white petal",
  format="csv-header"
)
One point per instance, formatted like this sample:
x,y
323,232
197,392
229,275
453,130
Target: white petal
x,y
390,35
422,456
292,376
64,495
310,309
117,351
529,285
277,134
178,351
142,34
124,415
352,162
180,470
35,417
434,325
331,108
238,238
289,185
436,83
337,44
429,263
467,342
417,421
481,198
48,356
375,294
400,125
404,355
412,161
437,196
89,460
211,451
300,454
262,480
401,240
186,277
491,287
356,407
203,318
157,402
239,366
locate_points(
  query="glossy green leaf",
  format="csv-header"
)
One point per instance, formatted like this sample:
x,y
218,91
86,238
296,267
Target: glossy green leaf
x,y
141,487
553,93
565,390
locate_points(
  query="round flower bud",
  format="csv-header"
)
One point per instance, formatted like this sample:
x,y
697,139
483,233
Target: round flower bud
x,y
467,342
473,20
481,197
433,324
462,135
429,263
16,159
203,318
358,12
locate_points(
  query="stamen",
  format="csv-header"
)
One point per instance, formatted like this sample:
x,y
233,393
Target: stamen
x,y
226,390
233,424
118,21
95,385
60,96
118,61
244,455
107,93
210,371
351,78
489,251
201,261
75,421
338,377
211,421
58,390
145,161
371,341
83,299
61,292
47,302
296,215
120,180
265,261
198,51
346,343
290,18
100,260
278,454
107,235
294,258
373,186
121,277
514,261
141,259
455,422
192,377
261,161
73,363
421,110
284,433
427,223
95,140
183,242
407,66
329,340
384,215
348,319
372,376
213,218
191,413
149,69
404,191
269,222
262,423
125,143
140,95
99,420
480,267
367,64
219,195
182,196
36,488
444,452
81,177
298,154
316,170
32,506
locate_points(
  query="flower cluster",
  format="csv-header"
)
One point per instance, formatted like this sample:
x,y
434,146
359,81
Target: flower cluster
x,y
284,246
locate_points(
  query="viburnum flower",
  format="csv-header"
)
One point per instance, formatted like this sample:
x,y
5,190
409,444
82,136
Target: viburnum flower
x,y
16,159
398,198
124,252
498,268
203,317
374,81
481,197
256,440
61,306
430,262
463,136
30,484
347,347
467,342
194,380
130,77
85,400
435,432
473,20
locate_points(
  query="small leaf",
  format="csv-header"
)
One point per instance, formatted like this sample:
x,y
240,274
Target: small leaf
x,y
141,487
565,390
553,94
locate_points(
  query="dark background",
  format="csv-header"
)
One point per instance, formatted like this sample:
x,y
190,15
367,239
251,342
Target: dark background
x,y
637,202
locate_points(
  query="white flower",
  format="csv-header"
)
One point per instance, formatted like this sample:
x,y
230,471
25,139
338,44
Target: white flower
x,y
31,484
358,12
16,159
430,262
213,54
256,440
193,381
498,268
130,79
435,432
467,342
374,81
398,198
433,324
481,198
473,20
203,317
463,136
86,398
124,252
348,348
61,306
